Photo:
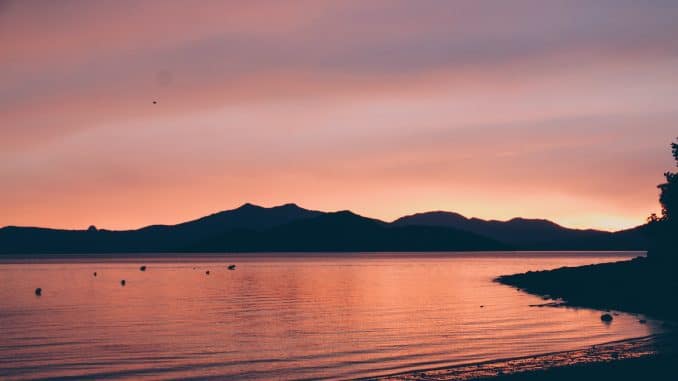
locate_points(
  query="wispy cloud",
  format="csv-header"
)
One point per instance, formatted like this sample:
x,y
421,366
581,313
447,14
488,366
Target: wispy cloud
x,y
492,109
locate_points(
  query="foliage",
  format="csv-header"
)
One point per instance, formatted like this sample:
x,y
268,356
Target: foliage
x,y
664,228
669,193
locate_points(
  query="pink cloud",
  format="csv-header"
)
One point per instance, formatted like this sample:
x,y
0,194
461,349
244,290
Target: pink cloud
x,y
382,107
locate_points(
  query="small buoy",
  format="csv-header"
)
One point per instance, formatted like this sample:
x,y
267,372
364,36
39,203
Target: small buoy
x,y
38,291
122,282
155,102
142,268
482,306
207,272
606,318
231,267
95,273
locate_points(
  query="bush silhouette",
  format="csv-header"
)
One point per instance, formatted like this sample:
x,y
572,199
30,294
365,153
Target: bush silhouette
x,y
664,228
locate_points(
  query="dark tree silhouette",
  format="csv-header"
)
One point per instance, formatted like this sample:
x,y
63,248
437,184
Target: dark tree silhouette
x,y
669,191
664,228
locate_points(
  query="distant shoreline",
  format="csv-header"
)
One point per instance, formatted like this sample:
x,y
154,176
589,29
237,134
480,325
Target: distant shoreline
x,y
192,256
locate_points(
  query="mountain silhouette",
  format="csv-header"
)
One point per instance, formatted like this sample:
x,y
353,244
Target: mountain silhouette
x,y
152,238
292,228
247,216
346,231
536,234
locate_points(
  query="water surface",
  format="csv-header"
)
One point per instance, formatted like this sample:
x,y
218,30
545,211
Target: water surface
x,y
284,316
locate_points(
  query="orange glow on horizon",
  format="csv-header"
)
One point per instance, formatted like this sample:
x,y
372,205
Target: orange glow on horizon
x,y
382,108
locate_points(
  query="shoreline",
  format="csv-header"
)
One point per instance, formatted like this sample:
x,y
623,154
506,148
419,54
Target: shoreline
x,y
611,354
198,256
634,286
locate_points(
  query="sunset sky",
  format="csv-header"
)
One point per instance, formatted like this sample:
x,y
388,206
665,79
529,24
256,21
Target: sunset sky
x,y
552,109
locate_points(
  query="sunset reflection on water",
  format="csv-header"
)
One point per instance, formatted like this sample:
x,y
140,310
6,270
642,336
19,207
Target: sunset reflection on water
x,y
325,316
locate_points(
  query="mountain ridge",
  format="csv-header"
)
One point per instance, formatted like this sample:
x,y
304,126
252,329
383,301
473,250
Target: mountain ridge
x,y
289,227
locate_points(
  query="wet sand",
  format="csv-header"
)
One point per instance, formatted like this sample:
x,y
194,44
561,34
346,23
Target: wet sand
x,y
620,360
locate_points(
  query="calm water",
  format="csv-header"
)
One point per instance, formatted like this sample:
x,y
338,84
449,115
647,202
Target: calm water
x,y
305,317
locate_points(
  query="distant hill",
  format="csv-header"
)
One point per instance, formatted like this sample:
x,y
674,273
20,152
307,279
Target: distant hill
x,y
534,234
162,238
346,231
292,228
247,217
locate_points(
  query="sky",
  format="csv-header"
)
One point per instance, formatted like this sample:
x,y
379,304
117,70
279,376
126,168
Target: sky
x,y
562,110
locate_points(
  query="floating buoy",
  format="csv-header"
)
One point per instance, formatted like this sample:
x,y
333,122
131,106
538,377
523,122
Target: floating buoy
x,y
122,282
95,273
231,267
207,272
606,318
142,268
38,291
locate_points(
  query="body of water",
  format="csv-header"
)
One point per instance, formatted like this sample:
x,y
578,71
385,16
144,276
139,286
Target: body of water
x,y
324,316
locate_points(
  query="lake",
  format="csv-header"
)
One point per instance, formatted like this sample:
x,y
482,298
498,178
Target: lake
x,y
291,316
